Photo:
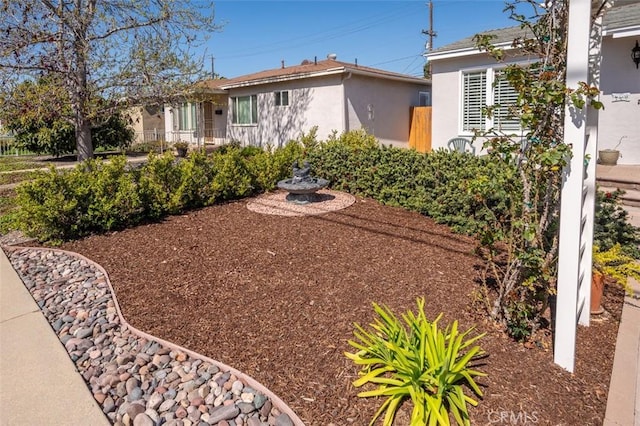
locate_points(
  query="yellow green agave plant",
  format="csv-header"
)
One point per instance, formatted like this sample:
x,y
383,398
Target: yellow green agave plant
x,y
419,361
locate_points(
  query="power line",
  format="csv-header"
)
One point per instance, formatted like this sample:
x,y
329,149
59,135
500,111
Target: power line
x,y
324,35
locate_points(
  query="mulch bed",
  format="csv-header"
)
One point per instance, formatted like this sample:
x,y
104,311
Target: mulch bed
x,y
276,297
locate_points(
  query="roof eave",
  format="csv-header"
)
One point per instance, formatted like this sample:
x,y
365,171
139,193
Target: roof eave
x,y
279,79
467,51
324,73
407,79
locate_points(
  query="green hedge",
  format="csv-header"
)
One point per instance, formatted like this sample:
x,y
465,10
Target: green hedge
x,y
100,196
460,190
463,191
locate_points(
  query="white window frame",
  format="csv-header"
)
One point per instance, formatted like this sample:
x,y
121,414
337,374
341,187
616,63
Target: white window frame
x,y
282,98
253,110
489,95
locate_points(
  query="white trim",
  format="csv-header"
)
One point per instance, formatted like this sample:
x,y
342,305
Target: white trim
x,y
466,51
627,33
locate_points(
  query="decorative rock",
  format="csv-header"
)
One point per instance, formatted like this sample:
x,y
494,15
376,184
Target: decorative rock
x,y
181,413
167,405
237,387
225,412
108,405
283,420
155,400
136,381
245,407
135,410
143,420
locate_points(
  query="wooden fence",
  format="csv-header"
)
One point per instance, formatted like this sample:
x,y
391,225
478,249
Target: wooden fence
x,y
420,129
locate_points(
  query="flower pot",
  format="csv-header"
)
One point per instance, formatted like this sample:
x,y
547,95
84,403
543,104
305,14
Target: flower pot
x,y
609,157
597,289
182,152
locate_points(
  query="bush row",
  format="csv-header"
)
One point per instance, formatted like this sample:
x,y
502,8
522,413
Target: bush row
x,y
100,196
463,191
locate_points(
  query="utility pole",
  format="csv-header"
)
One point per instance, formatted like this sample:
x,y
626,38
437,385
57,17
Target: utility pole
x,y
429,46
430,32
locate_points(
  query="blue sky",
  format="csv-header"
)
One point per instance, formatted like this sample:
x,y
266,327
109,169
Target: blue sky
x,y
258,35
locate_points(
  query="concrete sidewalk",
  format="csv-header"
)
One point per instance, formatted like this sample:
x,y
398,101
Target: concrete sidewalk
x,y
623,402
39,384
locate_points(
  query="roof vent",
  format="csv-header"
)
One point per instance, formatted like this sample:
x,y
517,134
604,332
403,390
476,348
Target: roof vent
x,y
332,56
305,62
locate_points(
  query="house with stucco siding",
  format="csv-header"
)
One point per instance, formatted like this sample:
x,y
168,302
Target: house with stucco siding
x,y
465,79
278,105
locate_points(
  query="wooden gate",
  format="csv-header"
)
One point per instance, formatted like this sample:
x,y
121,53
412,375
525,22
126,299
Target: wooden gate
x,y
420,129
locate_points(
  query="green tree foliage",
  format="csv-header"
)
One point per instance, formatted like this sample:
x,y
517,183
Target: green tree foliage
x,y
35,113
125,52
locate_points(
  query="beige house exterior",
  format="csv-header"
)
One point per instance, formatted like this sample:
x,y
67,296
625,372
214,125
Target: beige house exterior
x,y
278,105
619,122
147,123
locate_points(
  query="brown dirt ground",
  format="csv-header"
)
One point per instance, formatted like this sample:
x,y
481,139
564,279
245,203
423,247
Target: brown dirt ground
x,y
276,297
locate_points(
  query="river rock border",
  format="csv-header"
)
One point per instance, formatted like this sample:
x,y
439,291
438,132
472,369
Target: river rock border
x,y
137,379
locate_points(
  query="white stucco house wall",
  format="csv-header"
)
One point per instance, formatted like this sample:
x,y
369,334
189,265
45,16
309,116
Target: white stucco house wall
x,y
278,105
462,82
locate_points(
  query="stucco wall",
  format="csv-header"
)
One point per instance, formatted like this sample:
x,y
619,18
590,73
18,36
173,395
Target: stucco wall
x,y
382,107
620,88
312,102
619,117
447,96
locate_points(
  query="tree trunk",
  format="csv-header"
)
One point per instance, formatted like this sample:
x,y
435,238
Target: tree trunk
x,y
84,145
80,88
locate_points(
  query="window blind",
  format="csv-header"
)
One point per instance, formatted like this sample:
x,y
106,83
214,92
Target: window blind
x,y
474,95
504,96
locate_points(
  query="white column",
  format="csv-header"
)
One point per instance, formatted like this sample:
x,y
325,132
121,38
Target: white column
x,y
571,223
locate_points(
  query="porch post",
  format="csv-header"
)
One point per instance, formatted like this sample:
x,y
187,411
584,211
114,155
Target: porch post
x,y
571,276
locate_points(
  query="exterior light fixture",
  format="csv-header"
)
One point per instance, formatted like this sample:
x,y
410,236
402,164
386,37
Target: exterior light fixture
x,y
635,54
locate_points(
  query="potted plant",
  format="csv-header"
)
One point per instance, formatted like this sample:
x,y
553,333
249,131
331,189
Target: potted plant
x,y
609,157
181,148
615,265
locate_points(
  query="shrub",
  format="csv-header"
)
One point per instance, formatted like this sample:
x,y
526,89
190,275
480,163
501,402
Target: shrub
x,y
268,167
611,225
462,191
617,265
417,360
158,180
95,196
195,175
232,179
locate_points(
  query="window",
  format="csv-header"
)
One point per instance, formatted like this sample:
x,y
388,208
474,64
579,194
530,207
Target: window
x,y
245,109
474,93
487,87
504,96
424,99
185,117
282,98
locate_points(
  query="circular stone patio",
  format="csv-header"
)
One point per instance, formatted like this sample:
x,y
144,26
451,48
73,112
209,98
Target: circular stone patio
x,y
275,203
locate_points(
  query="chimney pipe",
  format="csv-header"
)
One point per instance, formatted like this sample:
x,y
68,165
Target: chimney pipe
x,y
356,62
315,60
282,63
